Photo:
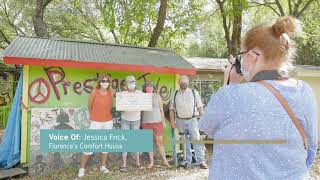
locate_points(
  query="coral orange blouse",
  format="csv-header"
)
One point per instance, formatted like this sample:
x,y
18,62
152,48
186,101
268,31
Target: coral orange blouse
x,y
101,106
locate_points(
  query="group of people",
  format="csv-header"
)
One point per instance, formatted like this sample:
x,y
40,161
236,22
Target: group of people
x,y
100,105
261,102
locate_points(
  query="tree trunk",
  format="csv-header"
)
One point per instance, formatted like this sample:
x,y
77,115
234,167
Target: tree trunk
x,y
236,27
40,27
232,40
236,35
225,24
160,23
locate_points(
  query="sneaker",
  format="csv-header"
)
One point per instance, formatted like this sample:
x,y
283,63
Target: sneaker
x,y
203,165
104,169
81,172
185,163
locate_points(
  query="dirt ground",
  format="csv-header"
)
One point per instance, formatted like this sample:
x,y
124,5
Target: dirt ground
x,y
156,173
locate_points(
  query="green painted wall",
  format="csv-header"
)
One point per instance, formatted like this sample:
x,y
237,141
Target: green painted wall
x,y
6,96
70,88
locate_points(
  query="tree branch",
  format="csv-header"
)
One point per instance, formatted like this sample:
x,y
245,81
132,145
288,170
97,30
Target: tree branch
x,y
269,5
39,25
102,39
7,16
280,8
224,22
4,37
159,27
296,8
304,8
290,7
115,36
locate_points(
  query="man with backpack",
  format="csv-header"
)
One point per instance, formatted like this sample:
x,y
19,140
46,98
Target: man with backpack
x,y
185,108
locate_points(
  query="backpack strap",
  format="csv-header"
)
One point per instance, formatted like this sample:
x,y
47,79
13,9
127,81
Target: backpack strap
x,y
195,105
287,108
174,103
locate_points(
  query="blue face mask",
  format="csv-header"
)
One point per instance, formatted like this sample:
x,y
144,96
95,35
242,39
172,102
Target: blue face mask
x,y
131,85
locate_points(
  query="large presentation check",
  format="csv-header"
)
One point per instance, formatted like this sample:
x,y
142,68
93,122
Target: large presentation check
x,y
133,101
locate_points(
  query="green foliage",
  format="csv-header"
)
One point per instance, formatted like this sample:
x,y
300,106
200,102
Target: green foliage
x,y
213,42
74,19
129,22
308,45
15,19
132,22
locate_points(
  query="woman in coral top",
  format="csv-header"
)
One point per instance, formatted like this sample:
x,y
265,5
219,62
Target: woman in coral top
x,y
99,106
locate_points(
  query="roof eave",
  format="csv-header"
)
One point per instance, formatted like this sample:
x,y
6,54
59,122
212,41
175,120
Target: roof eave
x,y
95,65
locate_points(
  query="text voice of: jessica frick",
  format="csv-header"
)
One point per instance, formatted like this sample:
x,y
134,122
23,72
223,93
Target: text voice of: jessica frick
x,y
88,137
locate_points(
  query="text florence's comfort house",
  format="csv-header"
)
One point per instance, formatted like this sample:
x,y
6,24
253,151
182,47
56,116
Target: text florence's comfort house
x,y
59,74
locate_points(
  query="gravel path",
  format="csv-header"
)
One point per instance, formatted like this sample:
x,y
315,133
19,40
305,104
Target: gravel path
x,y
156,173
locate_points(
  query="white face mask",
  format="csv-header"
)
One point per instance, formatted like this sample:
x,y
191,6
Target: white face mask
x,y
245,73
131,86
104,85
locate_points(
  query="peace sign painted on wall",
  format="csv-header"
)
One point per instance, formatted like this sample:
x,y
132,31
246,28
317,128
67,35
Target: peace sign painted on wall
x,y
39,91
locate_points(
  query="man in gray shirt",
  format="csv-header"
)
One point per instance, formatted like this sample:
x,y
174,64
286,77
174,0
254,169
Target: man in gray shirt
x,y
186,106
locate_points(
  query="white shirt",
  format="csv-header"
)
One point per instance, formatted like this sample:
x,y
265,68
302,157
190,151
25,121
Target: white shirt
x,y
185,103
131,115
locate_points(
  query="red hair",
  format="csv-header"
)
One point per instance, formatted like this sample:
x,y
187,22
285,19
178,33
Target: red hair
x,y
273,40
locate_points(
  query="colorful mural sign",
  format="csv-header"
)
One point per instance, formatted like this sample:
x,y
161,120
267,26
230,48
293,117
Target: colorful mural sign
x,y
58,99
66,87
57,118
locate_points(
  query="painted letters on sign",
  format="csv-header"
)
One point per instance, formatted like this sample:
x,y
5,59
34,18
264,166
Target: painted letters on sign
x,y
57,86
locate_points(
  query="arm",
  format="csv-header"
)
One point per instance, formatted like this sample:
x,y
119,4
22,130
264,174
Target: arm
x,y
311,127
171,115
217,111
173,124
200,109
199,103
162,113
91,100
234,76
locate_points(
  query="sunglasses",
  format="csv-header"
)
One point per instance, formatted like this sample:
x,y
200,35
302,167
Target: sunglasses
x,y
240,54
105,81
237,62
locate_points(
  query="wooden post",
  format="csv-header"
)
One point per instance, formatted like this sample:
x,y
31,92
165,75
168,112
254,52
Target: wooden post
x,y
24,117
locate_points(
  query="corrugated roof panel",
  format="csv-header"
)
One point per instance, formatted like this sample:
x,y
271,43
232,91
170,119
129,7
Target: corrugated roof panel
x,y
79,51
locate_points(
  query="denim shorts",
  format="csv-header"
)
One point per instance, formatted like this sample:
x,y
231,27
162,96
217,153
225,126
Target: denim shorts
x,y
125,124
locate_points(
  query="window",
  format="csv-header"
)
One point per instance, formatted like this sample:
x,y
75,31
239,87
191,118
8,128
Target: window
x,y
206,88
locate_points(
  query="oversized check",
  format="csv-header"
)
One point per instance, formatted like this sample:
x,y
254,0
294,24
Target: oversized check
x,y
133,101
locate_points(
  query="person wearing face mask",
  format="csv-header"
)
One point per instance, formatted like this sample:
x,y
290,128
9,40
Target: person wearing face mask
x,y
186,107
269,105
99,106
130,120
155,120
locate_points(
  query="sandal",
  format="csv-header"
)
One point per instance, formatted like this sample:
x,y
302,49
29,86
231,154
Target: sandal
x,y
167,165
150,166
124,169
140,167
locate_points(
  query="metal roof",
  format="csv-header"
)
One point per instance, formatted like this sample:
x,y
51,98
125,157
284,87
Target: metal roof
x,y
39,51
205,63
215,64
308,67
